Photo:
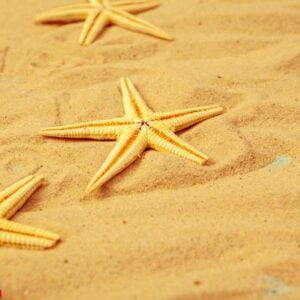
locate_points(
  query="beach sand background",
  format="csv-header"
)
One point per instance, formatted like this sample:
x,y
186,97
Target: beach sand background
x,y
165,228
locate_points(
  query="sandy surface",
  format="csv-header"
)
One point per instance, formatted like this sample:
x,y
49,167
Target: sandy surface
x,y
165,228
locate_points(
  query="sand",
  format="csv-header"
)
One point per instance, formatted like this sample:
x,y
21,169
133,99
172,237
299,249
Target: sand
x,y
165,228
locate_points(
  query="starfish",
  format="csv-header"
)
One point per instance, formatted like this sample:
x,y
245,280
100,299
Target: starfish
x,y
99,13
138,129
15,234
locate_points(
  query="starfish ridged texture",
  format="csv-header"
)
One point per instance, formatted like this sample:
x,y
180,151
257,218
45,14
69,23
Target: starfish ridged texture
x,y
15,234
100,13
138,129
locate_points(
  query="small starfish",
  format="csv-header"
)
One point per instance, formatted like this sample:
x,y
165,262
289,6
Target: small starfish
x,y
139,129
11,233
99,13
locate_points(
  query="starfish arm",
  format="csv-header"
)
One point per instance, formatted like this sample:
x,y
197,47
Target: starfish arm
x,y
14,227
181,119
98,130
14,197
128,148
162,139
135,6
69,13
134,105
26,236
93,26
14,187
95,2
130,22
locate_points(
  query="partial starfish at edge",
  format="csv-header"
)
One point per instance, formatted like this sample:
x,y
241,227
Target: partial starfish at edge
x,y
100,13
15,234
138,129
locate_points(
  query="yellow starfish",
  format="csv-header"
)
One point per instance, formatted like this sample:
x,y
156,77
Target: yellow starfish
x,y
99,13
139,129
11,233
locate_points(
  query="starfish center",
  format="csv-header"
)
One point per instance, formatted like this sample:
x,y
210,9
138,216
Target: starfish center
x,y
143,123
101,5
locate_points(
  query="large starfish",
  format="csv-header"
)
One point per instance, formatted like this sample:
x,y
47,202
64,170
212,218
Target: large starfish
x,y
99,13
138,129
15,234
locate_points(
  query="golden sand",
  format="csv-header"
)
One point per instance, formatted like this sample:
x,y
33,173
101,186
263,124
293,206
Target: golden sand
x,y
164,228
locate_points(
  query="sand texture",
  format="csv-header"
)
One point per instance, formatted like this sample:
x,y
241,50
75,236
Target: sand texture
x,y
165,228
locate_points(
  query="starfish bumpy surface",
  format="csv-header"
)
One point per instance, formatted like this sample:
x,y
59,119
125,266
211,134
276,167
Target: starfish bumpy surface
x,y
138,129
100,13
15,234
